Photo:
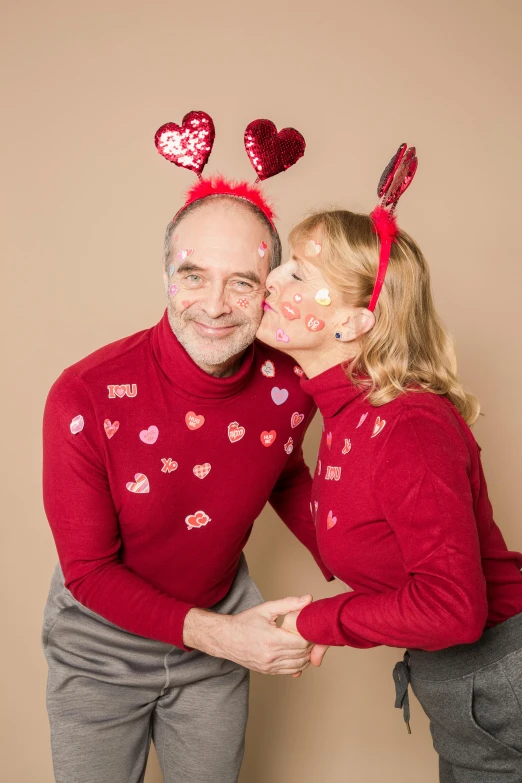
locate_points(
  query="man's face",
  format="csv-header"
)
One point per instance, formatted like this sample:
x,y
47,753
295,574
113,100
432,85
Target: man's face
x,y
215,282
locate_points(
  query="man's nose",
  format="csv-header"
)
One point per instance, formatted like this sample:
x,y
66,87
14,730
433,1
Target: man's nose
x,y
216,302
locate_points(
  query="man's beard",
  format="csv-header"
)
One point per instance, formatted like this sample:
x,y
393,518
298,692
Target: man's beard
x,y
212,351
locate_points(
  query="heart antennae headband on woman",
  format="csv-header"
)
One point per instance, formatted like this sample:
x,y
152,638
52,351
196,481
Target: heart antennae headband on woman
x,y
395,178
189,145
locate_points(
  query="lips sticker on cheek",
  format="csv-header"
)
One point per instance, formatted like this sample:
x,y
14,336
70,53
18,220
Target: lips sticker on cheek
x,y
290,311
314,324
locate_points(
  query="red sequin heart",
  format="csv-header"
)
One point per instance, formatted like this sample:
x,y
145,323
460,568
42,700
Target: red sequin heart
x,y
187,145
397,175
271,152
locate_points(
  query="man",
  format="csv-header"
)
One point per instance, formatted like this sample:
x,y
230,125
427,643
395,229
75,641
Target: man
x,y
160,451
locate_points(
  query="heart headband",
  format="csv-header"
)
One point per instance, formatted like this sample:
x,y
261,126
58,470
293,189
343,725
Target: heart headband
x,y
189,145
395,179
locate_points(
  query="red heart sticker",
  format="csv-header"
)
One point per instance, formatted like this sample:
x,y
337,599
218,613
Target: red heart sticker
x,y
199,519
378,426
235,432
194,422
296,419
314,324
267,438
187,145
111,428
271,152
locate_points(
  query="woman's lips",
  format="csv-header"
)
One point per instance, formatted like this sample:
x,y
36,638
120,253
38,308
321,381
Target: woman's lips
x,y
266,307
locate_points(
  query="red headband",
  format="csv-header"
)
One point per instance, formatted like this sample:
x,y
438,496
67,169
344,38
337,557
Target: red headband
x,y
395,178
189,145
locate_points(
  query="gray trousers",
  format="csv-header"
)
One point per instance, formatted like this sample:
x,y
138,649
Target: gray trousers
x,y
109,692
472,694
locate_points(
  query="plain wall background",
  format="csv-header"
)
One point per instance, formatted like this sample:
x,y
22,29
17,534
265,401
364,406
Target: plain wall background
x,y
84,204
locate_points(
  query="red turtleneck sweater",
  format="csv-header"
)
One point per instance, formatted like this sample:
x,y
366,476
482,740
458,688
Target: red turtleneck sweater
x,y
154,473
403,517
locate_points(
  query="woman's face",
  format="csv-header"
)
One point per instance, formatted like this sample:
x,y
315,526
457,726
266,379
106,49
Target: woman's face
x,y
302,310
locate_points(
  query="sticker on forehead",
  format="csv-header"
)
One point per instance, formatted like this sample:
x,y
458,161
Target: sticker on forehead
x,y
290,311
322,297
173,290
184,254
314,324
312,248
262,249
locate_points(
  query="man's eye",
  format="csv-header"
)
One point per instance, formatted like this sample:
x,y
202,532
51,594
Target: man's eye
x,y
295,277
243,284
193,278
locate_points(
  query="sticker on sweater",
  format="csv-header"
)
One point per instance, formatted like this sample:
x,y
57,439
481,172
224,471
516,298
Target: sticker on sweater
x,y
314,324
291,312
199,519
235,432
319,467
279,396
316,510
362,420
193,421
332,473
289,445
267,438
140,485
149,436
268,369
330,520
378,426
296,419
281,336
182,255
322,297
110,427
77,425
200,471
169,465
298,371
347,446
262,249
122,390
329,440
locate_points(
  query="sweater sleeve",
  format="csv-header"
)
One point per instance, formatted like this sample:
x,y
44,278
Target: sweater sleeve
x,y
421,480
84,522
291,499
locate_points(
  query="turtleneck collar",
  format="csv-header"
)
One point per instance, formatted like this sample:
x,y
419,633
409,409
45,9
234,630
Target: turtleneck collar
x,y
331,390
185,375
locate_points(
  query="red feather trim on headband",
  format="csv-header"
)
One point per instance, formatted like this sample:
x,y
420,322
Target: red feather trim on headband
x,y
385,225
220,185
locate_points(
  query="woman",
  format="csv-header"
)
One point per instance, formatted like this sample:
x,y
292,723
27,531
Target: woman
x,y
399,497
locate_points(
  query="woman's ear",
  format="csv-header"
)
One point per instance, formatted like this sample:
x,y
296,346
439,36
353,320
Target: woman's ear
x,y
357,323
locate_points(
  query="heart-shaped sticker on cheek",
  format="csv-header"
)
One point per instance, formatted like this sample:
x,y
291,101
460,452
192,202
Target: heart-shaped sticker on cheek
x,y
297,298
322,297
173,290
281,336
314,324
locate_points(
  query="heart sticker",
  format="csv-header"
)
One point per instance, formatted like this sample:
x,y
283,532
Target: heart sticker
x,y
173,290
267,438
183,254
268,369
150,435
289,445
140,485
298,371
120,391
329,440
347,446
77,425
297,298
235,432
199,519
312,248
314,324
187,145
290,311
111,428
296,419
194,422
330,520
271,152
262,249
362,420
281,336
319,467
279,396
378,426
322,297
200,471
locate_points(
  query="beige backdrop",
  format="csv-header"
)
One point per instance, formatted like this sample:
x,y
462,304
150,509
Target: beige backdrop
x,y
86,199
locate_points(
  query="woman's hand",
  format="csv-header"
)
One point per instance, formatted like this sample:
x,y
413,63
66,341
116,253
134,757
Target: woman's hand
x,y
318,650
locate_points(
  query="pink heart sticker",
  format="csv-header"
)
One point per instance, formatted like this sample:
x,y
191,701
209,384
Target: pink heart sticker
x,y
77,425
150,435
362,420
378,426
331,520
140,485
279,396
296,419
281,336
200,471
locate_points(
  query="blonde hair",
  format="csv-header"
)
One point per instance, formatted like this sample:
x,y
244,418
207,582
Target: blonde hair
x,y
408,348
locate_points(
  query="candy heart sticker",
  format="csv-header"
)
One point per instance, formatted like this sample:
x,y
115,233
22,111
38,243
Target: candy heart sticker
x,y
322,297
235,432
362,420
281,336
171,270
77,425
187,145
347,446
243,302
199,519
267,438
297,298
200,471
111,428
289,445
329,440
150,435
184,254
312,248
290,311
330,520
268,369
296,419
140,485
194,422
173,290
378,426
279,396
298,371
314,324
262,249
168,465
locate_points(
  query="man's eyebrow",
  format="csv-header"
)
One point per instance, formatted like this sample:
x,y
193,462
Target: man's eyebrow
x,y
190,266
248,276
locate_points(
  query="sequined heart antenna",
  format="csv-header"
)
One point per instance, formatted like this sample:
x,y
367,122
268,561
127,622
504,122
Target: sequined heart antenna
x,y
395,179
189,146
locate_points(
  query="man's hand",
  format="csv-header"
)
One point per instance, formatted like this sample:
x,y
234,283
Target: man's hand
x,y
318,650
251,638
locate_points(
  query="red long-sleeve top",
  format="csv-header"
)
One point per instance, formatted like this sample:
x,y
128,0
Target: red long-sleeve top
x,y
154,472
404,519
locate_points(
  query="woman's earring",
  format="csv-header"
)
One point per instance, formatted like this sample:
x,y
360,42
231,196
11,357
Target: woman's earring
x,y
338,335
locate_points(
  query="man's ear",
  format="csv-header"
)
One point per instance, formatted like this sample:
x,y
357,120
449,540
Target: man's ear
x,y
357,323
